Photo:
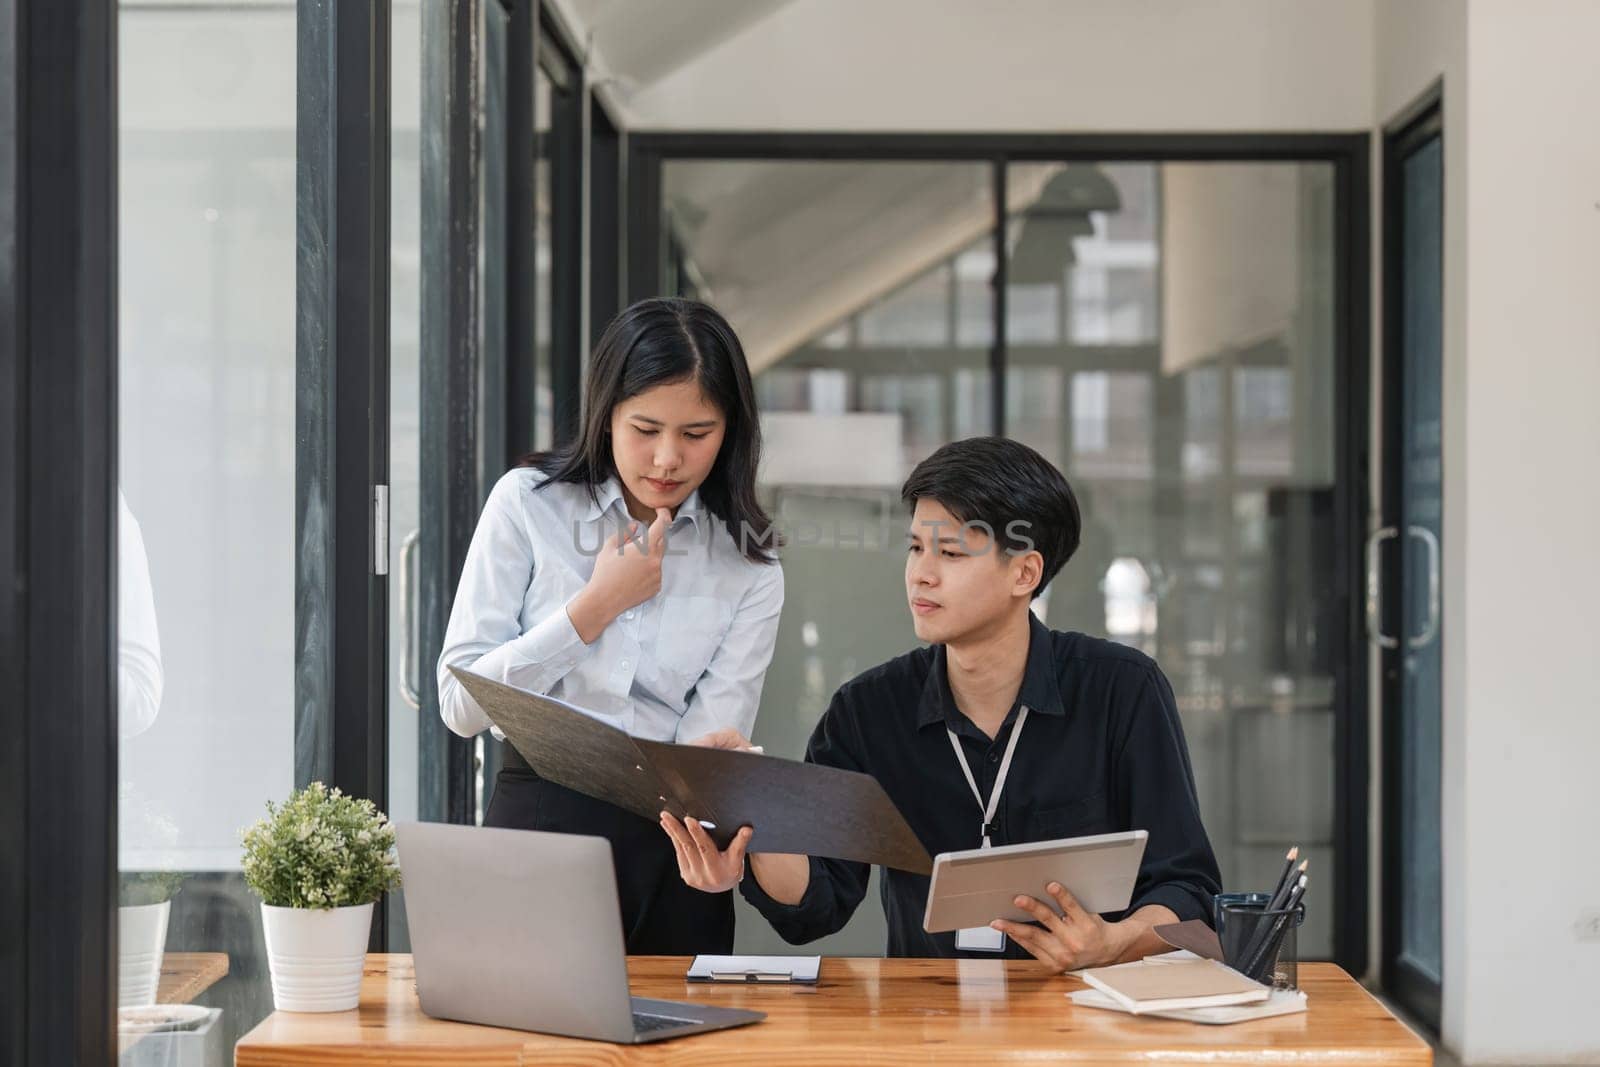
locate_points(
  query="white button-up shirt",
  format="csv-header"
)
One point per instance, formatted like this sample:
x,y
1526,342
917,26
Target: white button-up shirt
x,y
688,661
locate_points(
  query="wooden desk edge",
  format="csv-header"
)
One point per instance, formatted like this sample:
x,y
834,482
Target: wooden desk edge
x,y
256,1050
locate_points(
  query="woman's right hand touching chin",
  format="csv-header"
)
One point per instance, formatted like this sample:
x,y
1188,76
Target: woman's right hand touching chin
x,y
626,574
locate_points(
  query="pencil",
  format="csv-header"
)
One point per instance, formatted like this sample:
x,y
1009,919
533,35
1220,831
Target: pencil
x,y
1288,868
1271,934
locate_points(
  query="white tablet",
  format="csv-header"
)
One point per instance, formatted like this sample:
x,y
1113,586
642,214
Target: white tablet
x,y
975,887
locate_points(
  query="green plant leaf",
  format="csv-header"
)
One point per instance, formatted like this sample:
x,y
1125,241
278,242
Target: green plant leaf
x,y
320,849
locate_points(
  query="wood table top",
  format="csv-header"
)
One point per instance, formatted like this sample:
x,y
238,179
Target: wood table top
x,y
862,1011
185,975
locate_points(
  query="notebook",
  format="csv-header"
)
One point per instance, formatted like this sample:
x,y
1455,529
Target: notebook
x,y
1146,987
1281,1002
801,969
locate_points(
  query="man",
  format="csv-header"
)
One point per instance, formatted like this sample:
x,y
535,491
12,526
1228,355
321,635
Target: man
x,y
1100,746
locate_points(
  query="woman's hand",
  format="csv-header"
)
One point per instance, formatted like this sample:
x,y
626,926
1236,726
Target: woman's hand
x,y
701,864
727,737
626,574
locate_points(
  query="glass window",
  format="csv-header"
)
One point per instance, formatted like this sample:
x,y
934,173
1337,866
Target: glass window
x,y
1189,400
915,314
206,553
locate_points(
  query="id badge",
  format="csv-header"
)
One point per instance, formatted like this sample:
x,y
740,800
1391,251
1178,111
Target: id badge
x,y
980,939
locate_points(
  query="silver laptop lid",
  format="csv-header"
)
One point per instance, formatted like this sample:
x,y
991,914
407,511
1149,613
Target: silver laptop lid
x,y
516,928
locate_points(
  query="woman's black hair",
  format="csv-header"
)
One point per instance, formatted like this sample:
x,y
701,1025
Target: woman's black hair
x,y
663,341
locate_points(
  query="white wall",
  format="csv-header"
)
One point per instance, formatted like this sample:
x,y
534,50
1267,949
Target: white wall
x,y
1034,65
1527,515
1522,366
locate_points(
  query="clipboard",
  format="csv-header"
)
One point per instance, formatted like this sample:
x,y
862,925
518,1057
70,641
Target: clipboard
x,y
795,970
790,806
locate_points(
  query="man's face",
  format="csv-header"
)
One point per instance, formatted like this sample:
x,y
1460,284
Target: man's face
x,y
959,580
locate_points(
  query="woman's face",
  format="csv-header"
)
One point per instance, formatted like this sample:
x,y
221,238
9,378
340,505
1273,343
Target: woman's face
x,y
664,442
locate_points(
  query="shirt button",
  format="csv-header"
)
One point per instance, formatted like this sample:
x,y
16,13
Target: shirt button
x,y
628,614
623,664
994,757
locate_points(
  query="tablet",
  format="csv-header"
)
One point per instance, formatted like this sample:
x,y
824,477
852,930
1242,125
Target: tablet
x,y
975,887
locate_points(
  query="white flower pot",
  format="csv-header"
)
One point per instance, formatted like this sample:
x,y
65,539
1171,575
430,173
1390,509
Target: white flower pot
x,y
316,956
141,939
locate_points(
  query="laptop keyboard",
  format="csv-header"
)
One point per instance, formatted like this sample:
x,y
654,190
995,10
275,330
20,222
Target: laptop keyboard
x,y
647,1024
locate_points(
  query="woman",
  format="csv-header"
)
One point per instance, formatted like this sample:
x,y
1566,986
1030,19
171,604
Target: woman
x,y
630,573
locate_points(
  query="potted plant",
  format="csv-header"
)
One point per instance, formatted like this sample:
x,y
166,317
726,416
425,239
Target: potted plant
x,y
319,862
144,900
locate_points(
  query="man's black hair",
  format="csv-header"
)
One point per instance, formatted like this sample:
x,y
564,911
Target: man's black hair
x,y
1008,490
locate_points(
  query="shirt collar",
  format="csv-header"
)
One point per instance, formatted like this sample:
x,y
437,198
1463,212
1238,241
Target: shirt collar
x,y
1040,692
609,493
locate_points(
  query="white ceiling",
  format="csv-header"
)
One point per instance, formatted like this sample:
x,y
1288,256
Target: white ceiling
x,y
639,42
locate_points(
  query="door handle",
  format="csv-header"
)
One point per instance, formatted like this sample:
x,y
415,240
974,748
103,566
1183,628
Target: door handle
x,y
1375,632
408,622
1430,629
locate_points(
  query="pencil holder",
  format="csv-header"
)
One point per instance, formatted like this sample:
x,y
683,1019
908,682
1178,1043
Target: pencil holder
x,y
1258,943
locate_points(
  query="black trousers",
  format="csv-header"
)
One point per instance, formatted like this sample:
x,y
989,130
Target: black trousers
x,y
660,915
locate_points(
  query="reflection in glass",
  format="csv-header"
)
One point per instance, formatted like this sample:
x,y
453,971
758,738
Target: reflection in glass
x,y
139,675
206,379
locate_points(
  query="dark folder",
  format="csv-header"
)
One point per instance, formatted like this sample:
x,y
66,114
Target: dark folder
x,y
790,806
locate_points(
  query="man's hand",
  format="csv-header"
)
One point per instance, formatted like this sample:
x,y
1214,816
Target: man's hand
x,y
700,863
1074,939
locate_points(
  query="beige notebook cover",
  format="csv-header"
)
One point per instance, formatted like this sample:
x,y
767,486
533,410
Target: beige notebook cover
x,y
1282,1002
1145,987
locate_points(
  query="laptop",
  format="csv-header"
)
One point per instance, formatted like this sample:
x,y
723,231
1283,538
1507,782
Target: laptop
x,y
521,929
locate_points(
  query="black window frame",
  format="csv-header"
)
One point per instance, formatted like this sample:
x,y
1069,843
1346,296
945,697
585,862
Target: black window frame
x,y
605,218
58,484
556,54
467,410
341,718
1350,155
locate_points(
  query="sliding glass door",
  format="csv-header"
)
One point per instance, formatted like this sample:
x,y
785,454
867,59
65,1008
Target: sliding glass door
x,y
1406,603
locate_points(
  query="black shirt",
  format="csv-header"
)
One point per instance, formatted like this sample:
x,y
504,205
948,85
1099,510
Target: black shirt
x,y
1102,750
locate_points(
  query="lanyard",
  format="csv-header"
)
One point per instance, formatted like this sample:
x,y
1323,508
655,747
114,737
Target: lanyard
x,y
1000,779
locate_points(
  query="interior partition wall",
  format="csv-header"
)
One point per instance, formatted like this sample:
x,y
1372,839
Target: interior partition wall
x,y
1178,322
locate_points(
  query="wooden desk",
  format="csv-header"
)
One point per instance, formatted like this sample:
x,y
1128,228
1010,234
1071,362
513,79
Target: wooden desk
x,y
863,1011
185,975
